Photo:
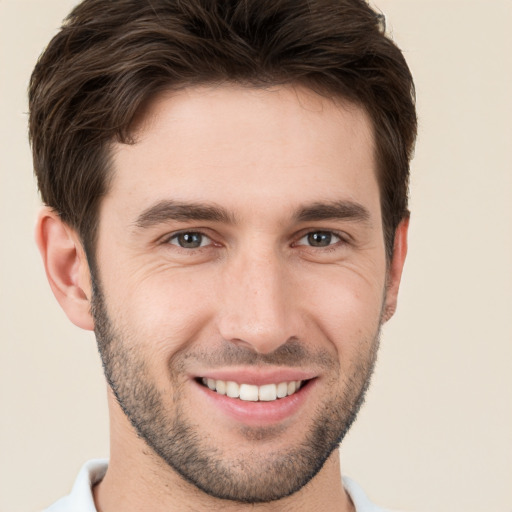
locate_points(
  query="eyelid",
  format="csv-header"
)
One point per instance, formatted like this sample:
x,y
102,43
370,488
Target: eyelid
x,y
342,237
168,239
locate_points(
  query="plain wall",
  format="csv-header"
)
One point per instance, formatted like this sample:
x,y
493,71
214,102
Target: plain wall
x,y
436,431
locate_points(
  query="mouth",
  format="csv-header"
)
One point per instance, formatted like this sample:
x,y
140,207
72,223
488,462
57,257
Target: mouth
x,y
254,398
253,393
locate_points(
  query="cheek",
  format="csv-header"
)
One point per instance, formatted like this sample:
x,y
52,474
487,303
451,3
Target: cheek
x,y
163,310
347,308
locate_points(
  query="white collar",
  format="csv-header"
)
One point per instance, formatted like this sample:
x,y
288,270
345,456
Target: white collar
x,y
81,498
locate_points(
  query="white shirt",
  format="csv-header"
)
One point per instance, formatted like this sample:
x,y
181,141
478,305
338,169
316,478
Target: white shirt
x,y
81,499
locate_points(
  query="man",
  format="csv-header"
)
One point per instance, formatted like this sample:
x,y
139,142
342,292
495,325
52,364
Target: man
x,y
226,207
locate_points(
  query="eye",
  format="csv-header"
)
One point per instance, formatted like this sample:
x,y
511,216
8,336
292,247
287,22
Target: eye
x,y
190,240
319,239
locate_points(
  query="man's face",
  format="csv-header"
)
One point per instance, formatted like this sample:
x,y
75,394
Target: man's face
x,y
240,248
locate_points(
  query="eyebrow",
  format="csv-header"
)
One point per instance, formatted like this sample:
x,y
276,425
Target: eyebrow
x,y
167,210
337,210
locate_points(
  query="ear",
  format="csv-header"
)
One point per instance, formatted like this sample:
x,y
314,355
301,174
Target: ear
x,y
66,267
395,269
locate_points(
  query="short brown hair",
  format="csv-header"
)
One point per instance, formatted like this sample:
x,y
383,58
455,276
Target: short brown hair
x,y
113,56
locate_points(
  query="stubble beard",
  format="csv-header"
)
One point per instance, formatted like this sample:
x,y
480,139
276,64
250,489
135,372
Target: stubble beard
x,y
254,477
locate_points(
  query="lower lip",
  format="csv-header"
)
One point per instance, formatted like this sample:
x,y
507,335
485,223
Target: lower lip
x,y
258,413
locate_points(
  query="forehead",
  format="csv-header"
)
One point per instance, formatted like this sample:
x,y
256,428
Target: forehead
x,y
237,146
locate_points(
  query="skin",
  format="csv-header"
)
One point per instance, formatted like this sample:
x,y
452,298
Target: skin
x,y
256,283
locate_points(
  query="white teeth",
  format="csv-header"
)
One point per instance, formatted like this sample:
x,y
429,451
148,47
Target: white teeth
x,y
282,389
252,393
268,392
248,392
221,387
232,389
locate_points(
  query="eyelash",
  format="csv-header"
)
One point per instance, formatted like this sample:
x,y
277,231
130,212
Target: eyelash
x,y
341,240
329,247
175,236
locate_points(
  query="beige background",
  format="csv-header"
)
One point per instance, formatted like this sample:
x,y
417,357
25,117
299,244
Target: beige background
x,y
436,432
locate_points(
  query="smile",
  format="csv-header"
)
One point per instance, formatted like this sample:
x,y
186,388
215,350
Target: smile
x,y
253,393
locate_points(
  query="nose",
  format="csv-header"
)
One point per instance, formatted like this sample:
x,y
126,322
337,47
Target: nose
x,y
258,303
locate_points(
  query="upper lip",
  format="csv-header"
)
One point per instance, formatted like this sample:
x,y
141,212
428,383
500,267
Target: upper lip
x,y
257,376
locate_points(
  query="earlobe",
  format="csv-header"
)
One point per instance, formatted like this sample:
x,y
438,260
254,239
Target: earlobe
x,y
395,269
66,267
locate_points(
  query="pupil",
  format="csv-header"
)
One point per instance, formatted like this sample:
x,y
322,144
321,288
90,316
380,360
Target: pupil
x,y
319,239
190,240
